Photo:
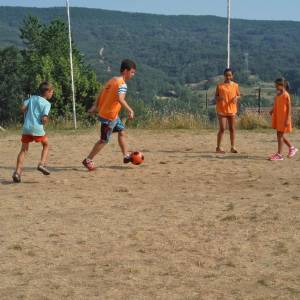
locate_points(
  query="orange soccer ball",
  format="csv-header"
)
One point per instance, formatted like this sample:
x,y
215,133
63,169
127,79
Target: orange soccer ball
x,y
137,158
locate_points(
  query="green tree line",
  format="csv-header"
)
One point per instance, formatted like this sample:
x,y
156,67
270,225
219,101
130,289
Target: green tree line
x,y
45,56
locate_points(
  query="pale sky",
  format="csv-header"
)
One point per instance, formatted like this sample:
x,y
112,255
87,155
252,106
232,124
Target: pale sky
x,y
245,9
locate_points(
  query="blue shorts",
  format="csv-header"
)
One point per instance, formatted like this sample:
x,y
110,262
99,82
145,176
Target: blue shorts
x,y
108,127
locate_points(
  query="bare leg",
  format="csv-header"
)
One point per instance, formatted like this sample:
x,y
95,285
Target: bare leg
x,y
96,149
280,142
287,142
222,126
21,158
122,142
44,155
232,130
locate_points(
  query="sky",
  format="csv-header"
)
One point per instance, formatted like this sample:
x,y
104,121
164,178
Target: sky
x,y
244,9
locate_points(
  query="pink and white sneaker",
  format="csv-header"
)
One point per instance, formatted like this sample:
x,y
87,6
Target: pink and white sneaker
x,y
292,152
276,157
89,164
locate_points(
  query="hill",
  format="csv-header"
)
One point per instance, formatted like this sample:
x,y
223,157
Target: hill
x,y
170,50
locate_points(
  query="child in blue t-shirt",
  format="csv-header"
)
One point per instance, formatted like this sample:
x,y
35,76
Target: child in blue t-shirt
x,y
36,110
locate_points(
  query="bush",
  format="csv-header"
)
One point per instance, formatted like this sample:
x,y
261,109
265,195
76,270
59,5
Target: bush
x,y
251,121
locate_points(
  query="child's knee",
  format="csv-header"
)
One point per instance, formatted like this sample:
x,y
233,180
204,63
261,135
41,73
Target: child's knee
x,y
102,142
122,133
45,144
25,148
221,130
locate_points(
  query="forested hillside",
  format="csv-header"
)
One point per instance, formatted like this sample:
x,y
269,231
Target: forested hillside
x,y
170,50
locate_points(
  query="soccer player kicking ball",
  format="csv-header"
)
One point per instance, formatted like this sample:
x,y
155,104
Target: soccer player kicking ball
x,y
36,110
108,105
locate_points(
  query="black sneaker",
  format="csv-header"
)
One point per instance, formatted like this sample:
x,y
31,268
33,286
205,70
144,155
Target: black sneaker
x,y
127,159
43,170
16,177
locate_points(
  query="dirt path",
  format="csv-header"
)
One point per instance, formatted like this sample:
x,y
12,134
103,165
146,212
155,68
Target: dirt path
x,y
186,225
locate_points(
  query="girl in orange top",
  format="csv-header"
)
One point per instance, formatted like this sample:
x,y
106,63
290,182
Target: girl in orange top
x,y
227,97
281,119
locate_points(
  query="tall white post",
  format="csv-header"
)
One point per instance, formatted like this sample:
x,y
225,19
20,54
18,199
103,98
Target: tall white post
x,y
229,33
71,66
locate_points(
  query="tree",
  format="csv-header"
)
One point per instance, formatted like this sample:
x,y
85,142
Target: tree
x,y
46,57
11,77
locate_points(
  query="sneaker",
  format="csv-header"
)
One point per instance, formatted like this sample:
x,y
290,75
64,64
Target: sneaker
x,y
16,177
89,164
127,159
276,157
292,152
43,170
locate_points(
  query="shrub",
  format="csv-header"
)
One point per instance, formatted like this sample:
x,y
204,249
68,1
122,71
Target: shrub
x,y
250,121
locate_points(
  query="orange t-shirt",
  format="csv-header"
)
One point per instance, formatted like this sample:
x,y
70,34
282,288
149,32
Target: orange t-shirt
x,y
108,100
280,110
225,93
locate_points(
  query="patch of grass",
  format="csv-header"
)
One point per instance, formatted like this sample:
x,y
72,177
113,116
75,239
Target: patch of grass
x,y
250,121
173,121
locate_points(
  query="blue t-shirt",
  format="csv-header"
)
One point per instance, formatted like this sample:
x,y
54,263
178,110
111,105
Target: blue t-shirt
x,y
37,107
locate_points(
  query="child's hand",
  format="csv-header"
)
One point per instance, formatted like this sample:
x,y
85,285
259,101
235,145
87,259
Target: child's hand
x,y
92,110
235,100
130,114
44,120
287,123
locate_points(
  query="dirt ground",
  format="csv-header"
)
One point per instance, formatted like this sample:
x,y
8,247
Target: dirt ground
x,y
188,224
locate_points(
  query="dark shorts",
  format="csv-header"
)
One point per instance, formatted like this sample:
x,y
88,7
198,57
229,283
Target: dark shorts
x,y
108,127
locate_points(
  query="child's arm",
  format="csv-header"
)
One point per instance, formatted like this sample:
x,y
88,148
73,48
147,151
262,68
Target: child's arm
x,y
94,108
272,110
23,108
217,94
45,113
45,120
126,106
288,112
238,96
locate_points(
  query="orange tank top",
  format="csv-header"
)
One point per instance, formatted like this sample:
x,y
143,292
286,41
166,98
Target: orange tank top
x,y
108,101
226,92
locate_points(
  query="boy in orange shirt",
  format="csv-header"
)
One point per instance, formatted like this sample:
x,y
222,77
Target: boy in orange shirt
x,y
227,96
108,106
282,120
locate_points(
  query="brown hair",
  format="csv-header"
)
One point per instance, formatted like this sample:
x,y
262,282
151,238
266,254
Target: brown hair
x,y
45,87
127,64
283,82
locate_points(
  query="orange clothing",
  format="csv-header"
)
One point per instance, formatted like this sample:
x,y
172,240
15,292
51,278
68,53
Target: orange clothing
x,y
225,94
108,100
26,139
280,111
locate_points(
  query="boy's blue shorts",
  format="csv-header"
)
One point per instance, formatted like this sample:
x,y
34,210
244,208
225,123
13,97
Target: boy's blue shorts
x,y
108,127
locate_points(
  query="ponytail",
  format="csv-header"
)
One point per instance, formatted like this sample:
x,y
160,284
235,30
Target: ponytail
x,y
287,85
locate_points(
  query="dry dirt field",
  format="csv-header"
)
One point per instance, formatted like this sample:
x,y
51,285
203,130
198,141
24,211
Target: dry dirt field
x,y
188,224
